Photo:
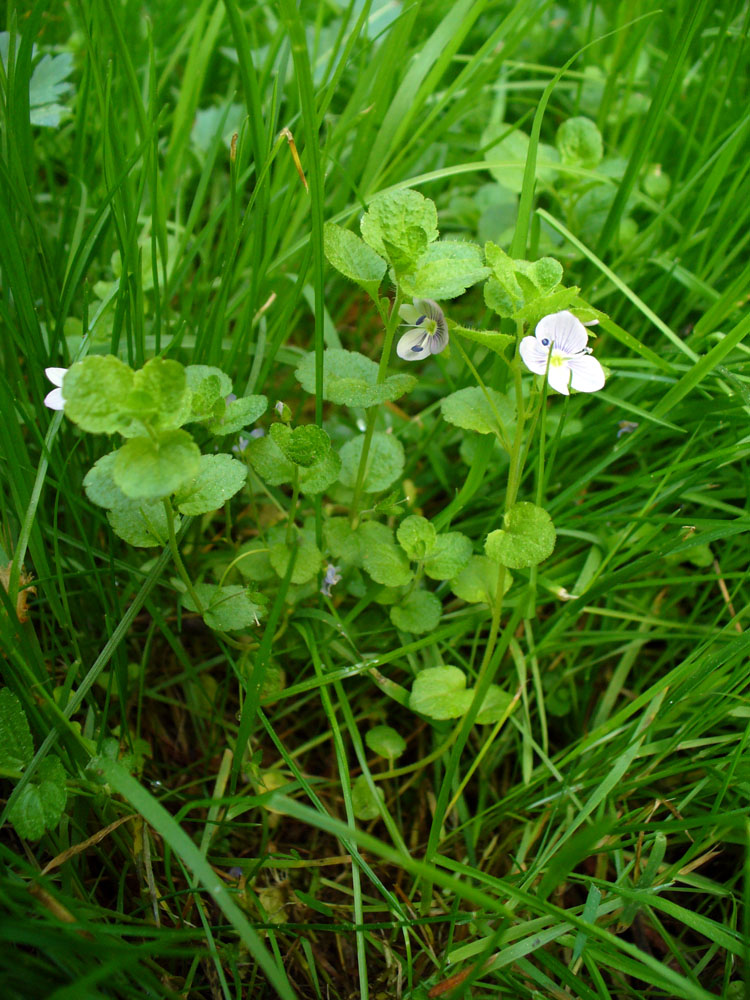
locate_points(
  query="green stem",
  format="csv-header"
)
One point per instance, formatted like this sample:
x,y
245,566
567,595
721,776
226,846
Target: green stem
x,y
293,506
390,331
516,455
500,432
183,573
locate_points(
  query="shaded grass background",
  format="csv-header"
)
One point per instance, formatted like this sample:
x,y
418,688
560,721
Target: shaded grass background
x,y
601,849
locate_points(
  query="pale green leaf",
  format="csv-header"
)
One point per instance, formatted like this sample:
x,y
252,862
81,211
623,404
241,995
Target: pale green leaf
x,y
142,523
526,538
416,536
148,468
440,693
218,478
95,391
494,706
306,445
385,462
399,225
445,270
385,742
364,803
350,379
238,414
381,558
450,554
419,612
477,581
475,409
353,258
225,609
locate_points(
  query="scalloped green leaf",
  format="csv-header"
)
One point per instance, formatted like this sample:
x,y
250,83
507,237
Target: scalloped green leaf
x,y
497,342
217,480
353,258
100,486
142,523
16,744
269,461
306,565
306,445
440,693
226,609
385,462
148,468
364,803
477,581
161,392
320,476
41,802
95,390
416,536
381,558
238,414
350,379
526,538
450,554
494,706
445,270
476,409
252,560
399,225
418,612
343,542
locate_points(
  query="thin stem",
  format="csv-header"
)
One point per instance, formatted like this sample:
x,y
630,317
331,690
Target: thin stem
x,y
293,506
390,331
500,433
516,455
183,573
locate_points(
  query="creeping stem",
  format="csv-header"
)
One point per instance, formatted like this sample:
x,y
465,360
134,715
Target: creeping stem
x,y
390,331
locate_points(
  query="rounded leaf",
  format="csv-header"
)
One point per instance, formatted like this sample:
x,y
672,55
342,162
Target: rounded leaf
x,y
440,693
416,536
385,741
526,538
475,409
364,803
385,462
218,478
95,391
148,468
580,142
494,706
419,612
306,445
477,581
450,554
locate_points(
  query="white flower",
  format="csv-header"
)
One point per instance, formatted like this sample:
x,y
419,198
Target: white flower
x,y
428,330
55,399
559,349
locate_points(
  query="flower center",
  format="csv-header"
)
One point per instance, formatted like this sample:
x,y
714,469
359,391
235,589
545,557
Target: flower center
x,y
557,359
427,324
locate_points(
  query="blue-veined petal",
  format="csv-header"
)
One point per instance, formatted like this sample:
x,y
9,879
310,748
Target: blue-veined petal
x,y
413,345
563,330
588,374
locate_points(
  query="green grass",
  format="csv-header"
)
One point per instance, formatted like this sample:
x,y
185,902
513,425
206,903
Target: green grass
x,y
595,844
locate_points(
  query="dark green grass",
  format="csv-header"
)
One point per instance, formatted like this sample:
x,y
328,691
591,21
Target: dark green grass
x,y
598,848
